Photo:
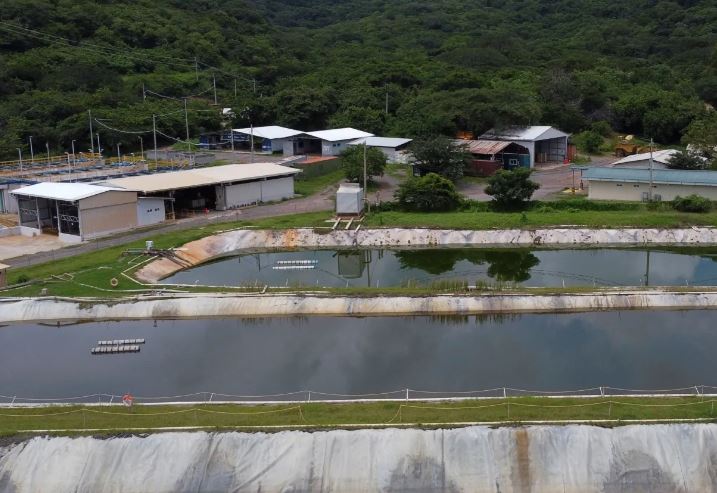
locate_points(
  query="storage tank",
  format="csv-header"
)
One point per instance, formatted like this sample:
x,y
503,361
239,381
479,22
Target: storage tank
x,y
349,199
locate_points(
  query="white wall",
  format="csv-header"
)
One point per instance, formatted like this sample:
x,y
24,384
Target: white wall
x,y
608,190
243,194
334,148
150,211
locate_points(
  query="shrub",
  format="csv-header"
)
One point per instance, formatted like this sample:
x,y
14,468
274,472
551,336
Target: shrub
x,y
511,189
428,194
686,160
588,141
602,128
692,203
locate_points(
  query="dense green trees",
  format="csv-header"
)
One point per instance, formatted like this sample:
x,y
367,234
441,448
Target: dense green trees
x,y
430,193
352,160
439,155
510,189
646,68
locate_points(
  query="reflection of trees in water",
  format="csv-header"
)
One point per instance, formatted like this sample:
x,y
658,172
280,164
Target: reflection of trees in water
x,y
503,265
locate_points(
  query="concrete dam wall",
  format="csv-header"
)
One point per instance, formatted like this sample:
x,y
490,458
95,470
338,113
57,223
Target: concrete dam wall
x,y
568,459
238,241
177,306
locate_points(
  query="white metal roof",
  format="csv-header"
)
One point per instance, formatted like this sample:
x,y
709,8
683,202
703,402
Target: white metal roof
x,y
338,134
175,180
536,132
269,132
661,156
392,142
69,192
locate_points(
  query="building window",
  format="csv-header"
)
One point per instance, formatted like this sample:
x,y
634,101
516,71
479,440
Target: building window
x,y
636,186
618,184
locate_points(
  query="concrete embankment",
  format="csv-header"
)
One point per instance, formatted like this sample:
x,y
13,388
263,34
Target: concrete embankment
x,y
238,241
537,459
225,305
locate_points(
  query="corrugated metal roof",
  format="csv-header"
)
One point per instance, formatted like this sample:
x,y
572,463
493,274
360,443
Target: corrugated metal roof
x,y
660,156
338,134
523,133
392,142
639,175
490,147
174,180
269,132
69,192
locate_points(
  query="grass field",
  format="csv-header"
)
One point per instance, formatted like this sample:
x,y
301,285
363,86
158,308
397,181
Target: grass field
x,y
336,415
316,184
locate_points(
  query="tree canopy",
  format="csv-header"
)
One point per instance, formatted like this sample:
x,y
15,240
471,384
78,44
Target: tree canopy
x,y
391,67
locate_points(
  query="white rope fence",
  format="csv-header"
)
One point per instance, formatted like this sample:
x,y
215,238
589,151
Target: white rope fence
x,y
407,394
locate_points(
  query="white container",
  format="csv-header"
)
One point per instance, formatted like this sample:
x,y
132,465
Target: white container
x,y
349,199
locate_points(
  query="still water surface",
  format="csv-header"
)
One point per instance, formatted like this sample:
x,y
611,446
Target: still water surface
x,y
580,267
636,349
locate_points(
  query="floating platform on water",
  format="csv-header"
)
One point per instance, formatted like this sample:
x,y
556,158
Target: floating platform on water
x,y
132,348
121,342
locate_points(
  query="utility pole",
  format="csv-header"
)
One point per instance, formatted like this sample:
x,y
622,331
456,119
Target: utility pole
x,y
186,125
47,147
144,93
99,148
92,139
154,131
235,88
19,153
141,147
251,125
649,195
119,156
214,82
74,160
231,132
365,177
32,153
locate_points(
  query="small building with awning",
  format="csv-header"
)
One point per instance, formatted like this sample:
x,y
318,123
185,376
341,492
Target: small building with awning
x,y
545,144
488,156
75,211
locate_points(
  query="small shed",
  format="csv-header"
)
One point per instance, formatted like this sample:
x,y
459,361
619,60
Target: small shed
x,y
334,141
349,199
3,275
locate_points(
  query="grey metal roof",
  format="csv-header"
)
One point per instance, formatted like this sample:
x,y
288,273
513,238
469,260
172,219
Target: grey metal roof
x,y
536,132
666,176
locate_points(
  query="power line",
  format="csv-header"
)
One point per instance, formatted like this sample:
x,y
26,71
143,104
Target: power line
x,y
134,132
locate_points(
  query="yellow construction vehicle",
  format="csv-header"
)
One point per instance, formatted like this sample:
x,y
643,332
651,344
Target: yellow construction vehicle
x,y
626,147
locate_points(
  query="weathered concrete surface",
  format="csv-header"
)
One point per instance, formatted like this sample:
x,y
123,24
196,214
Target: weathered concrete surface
x,y
234,242
536,459
231,305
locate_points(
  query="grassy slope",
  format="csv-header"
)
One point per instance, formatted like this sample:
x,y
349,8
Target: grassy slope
x,y
13,420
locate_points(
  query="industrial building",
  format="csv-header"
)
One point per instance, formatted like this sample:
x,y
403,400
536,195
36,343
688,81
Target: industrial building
x,y
544,144
488,156
218,187
75,211
324,142
394,148
273,136
635,184
642,160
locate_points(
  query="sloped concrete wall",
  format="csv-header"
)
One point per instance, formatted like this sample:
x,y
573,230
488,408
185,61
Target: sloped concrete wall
x,y
234,242
539,459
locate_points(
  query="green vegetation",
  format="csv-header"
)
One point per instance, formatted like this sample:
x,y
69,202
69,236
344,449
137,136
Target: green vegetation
x,y
319,415
439,155
645,68
691,203
352,163
317,183
430,193
687,160
511,189
588,141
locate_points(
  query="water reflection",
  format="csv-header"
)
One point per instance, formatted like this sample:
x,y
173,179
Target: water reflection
x,y
594,267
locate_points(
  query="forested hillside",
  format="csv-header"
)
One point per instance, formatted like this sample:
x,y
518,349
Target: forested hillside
x,y
645,67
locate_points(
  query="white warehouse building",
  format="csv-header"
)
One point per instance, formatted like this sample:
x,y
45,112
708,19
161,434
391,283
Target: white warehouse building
x,y
641,185
545,144
394,148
